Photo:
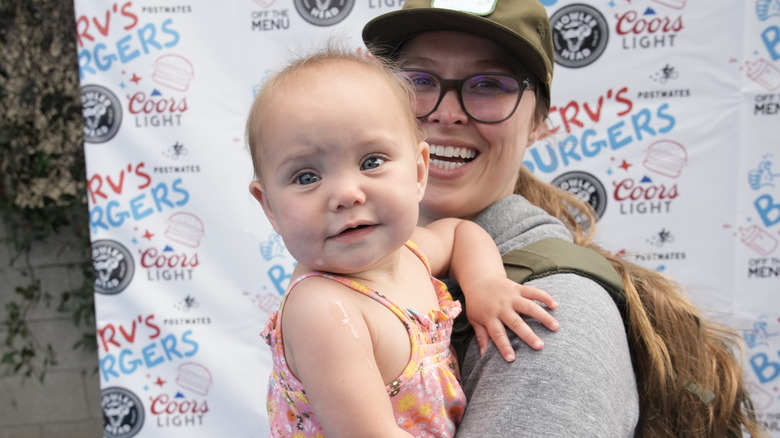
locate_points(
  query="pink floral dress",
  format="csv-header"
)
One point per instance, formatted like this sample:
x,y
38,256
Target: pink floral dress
x,y
427,398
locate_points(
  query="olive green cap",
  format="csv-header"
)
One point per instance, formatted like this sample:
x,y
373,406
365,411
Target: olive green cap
x,y
521,26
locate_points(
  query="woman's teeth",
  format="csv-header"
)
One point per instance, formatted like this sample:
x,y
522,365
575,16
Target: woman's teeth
x,y
453,152
461,155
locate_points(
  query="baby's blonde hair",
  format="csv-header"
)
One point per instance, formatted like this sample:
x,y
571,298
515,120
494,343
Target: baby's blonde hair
x,y
332,54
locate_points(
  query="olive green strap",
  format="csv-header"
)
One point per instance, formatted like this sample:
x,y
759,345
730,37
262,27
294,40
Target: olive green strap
x,y
554,256
540,259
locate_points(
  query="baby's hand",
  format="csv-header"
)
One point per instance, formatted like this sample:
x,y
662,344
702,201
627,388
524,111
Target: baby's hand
x,y
499,303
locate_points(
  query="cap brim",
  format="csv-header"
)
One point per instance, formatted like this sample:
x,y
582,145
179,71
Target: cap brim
x,y
388,32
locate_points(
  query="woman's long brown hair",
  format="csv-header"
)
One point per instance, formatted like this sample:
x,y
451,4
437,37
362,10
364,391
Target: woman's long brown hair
x,y
687,366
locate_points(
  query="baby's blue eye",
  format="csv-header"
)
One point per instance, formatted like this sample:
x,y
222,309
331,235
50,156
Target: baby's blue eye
x,y
306,178
372,163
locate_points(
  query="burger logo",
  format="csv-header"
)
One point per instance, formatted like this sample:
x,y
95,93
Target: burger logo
x,y
123,413
102,113
113,265
666,157
580,35
195,377
585,187
324,12
174,72
185,228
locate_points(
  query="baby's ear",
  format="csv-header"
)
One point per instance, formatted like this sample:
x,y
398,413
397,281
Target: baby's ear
x,y
423,159
256,189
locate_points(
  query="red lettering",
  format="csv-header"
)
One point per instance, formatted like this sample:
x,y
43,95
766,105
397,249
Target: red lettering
x,y
143,175
106,335
153,326
139,103
151,258
95,182
103,29
133,18
627,102
567,122
117,188
630,22
163,404
104,26
595,116
82,30
622,28
629,190
131,336
94,187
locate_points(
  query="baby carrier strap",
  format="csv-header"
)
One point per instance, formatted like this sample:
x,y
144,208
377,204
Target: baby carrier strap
x,y
547,257
555,256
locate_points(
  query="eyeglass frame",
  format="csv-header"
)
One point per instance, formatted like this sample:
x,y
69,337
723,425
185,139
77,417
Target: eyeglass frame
x,y
457,84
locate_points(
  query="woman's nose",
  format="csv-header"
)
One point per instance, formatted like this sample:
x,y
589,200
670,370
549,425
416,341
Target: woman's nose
x,y
449,111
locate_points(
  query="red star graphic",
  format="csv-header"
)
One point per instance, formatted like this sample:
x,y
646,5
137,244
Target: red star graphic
x,y
148,235
159,382
135,79
625,165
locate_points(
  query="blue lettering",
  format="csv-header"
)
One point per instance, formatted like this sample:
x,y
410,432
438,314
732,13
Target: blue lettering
x,y
597,145
136,204
146,34
641,122
123,46
279,278
127,367
765,369
185,339
185,194
170,32
118,219
96,219
149,353
107,367
169,347
575,148
544,167
613,132
160,196
669,118
771,38
84,60
99,61
126,364
569,152
768,210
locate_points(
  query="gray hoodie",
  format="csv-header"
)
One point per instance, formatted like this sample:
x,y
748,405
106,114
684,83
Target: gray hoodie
x,y
581,384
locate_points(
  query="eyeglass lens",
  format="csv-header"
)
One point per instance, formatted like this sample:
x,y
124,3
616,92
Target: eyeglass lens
x,y
486,98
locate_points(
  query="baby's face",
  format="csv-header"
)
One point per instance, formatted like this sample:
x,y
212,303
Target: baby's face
x,y
341,170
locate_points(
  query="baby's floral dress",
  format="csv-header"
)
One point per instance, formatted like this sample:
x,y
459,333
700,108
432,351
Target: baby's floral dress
x,y
427,398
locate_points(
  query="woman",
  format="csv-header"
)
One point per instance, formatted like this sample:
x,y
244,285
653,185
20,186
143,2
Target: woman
x,y
482,71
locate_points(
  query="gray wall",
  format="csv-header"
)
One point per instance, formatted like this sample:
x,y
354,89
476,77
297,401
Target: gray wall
x,y
67,403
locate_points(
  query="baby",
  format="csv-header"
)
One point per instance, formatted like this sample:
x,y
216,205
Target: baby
x,y
361,340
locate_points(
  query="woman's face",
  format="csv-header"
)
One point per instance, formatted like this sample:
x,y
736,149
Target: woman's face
x,y
473,164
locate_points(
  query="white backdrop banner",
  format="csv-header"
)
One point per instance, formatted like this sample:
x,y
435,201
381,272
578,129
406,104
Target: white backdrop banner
x,y
665,118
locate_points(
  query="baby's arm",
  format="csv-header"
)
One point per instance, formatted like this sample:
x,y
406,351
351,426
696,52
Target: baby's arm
x,y
494,301
330,350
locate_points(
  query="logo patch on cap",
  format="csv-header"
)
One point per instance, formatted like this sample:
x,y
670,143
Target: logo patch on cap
x,y
477,7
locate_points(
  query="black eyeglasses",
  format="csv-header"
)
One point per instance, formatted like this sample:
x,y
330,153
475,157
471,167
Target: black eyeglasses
x,y
485,97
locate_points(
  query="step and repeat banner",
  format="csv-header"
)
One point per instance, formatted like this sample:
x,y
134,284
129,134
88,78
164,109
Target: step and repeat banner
x,y
665,117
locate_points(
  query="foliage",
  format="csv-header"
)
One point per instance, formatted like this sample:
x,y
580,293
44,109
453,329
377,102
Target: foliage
x,y
42,174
